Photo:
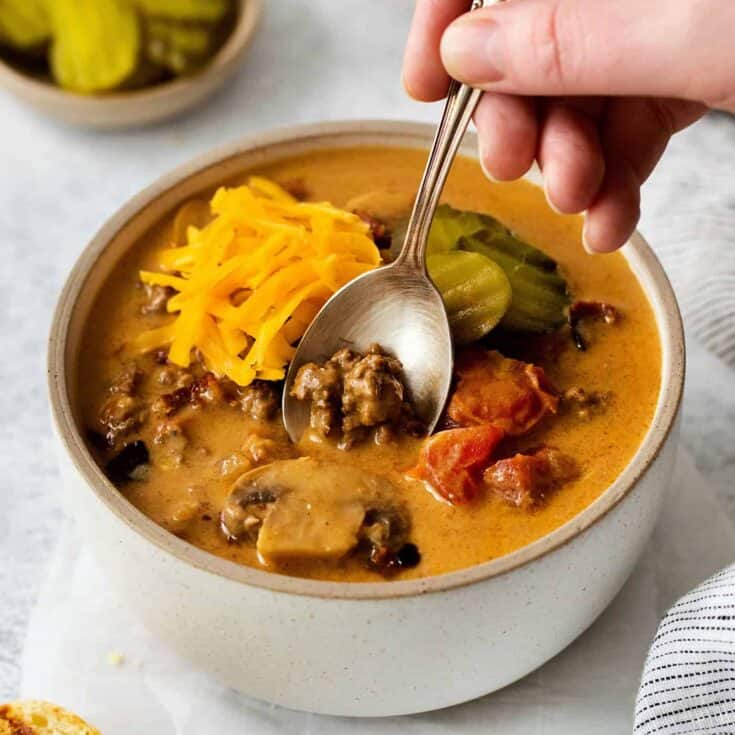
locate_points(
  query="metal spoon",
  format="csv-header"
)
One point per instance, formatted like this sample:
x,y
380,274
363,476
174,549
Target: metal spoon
x,y
396,306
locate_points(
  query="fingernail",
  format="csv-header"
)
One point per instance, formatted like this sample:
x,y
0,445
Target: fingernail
x,y
472,50
549,200
587,240
404,83
489,176
484,168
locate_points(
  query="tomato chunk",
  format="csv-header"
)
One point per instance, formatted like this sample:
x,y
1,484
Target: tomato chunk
x,y
508,394
452,461
524,480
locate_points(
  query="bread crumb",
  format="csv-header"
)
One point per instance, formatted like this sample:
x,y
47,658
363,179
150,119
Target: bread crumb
x,y
115,659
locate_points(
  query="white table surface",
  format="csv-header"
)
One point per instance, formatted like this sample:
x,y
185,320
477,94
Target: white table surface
x,y
312,60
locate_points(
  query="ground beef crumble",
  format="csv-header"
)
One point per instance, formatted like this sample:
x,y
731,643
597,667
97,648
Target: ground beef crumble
x,y
124,411
352,393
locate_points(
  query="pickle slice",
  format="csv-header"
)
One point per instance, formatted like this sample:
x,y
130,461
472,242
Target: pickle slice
x,y
177,47
96,43
209,11
449,225
475,290
540,297
24,24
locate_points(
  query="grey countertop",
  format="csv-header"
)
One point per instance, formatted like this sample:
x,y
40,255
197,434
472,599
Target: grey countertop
x,y
311,60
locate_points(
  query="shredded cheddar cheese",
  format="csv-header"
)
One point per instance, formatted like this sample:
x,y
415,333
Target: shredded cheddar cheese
x,y
250,281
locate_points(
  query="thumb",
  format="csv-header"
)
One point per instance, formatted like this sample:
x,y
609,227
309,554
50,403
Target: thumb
x,y
614,47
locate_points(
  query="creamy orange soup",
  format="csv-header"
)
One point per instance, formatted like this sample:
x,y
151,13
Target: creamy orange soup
x,y
622,362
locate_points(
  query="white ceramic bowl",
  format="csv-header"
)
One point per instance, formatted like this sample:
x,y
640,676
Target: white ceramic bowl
x,y
372,649
138,106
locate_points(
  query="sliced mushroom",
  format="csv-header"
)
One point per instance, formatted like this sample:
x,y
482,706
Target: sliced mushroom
x,y
243,513
305,509
306,527
250,500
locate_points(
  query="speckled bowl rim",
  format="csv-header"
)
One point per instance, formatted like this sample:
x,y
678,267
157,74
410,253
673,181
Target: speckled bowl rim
x,y
228,55
323,135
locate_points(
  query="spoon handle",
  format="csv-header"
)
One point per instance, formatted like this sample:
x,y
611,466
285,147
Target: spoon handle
x,y
461,102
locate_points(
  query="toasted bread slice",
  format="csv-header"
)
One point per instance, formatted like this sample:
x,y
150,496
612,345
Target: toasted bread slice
x,y
32,717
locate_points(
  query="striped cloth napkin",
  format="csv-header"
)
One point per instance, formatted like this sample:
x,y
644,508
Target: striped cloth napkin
x,y
688,683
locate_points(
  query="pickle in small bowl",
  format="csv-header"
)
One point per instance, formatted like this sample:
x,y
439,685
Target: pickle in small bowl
x,y
107,46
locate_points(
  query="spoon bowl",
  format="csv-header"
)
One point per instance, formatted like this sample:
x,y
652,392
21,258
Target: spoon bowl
x,y
400,310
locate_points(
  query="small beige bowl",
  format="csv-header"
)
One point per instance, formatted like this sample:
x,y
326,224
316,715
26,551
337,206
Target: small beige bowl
x,y
140,106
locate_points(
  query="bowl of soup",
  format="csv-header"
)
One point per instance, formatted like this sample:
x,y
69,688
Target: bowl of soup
x,y
366,568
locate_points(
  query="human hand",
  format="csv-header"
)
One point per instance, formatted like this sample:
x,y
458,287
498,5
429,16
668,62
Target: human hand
x,y
593,90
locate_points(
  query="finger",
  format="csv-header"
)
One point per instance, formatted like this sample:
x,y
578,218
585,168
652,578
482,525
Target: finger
x,y
639,129
617,47
612,218
635,133
507,128
424,76
570,156
590,106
